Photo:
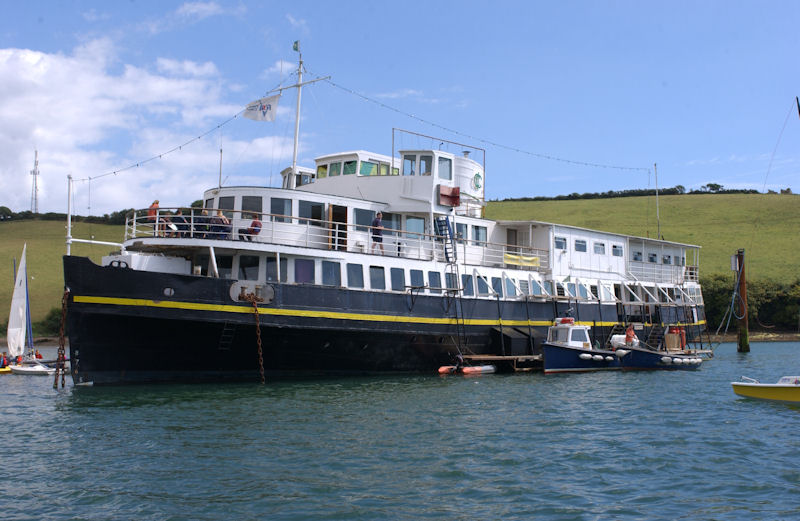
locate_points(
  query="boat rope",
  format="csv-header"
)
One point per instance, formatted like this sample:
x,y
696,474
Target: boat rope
x,y
250,297
61,358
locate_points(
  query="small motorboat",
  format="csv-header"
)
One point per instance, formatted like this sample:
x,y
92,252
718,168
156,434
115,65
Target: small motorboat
x,y
568,349
786,390
34,369
467,369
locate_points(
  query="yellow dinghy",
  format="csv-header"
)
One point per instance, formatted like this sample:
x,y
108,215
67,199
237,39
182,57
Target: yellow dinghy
x,y
786,390
5,370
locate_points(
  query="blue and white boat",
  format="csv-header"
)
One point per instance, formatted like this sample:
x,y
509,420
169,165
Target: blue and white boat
x,y
645,358
568,349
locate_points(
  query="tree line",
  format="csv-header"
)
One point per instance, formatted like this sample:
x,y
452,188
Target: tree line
x,y
710,188
771,306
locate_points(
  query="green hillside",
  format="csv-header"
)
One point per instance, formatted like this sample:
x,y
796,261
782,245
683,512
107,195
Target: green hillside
x,y
767,226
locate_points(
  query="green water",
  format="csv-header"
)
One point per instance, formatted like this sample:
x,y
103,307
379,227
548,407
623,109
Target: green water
x,y
654,445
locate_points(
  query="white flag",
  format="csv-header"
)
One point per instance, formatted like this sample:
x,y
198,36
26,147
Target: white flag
x,y
263,109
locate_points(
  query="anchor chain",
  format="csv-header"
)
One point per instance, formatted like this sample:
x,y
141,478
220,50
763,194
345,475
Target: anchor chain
x,y
250,297
61,358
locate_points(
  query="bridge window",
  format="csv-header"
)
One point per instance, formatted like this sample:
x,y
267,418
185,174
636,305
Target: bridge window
x,y
368,168
322,171
445,168
350,167
409,164
425,165
335,169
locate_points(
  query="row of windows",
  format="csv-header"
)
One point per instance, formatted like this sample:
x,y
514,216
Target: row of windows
x,y
581,246
367,168
653,258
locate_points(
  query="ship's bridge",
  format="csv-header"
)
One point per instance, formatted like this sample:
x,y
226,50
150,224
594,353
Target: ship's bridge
x,y
423,181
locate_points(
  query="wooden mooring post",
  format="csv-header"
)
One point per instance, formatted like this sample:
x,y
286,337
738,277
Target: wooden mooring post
x,y
743,345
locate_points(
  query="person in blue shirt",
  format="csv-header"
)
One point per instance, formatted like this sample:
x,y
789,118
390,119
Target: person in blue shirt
x,y
377,232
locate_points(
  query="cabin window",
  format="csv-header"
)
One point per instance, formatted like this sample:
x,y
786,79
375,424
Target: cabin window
x,y
425,165
377,278
350,167
445,168
580,245
310,210
391,222
511,290
209,203
331,273
548,286
384,169
306,179
225,266
616,250
415,226
582,291
652,257
252,204
272,272
248,267
479,235
536,288
417,278
637,256
483,286
524,287
398,277
558,334
226,203
579,335
355,276
466,282
335,169
368,168
461,231
435,281
363,219
600,248
202,262
409,164
666,259
304,271
322,171
560,243
281,209
497,285
451,281
570,289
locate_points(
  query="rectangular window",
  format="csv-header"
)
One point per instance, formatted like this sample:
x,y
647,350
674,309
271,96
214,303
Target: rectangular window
x,y
248,267
600,248
415,226
466,281
310,210
636,256
616,250
398,277
304,271
536,288
355,276
548,286
524,287
445,168
652,257
483,286
331,273
335,169
384,169
561,243
450,279
409,165
201,261
252,204
417,278
350,167
461,232
425,165
322,171
363,219
511,290
368,168
497,285
209,203
225,266
479,235
435,281
666,259
377,278
226,203
282,209
272,272
391,222
580,245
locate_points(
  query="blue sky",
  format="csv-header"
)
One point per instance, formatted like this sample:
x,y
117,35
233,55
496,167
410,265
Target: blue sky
x,y
704,89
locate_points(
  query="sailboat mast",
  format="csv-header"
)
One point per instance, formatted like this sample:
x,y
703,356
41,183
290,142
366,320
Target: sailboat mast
x,y
293,181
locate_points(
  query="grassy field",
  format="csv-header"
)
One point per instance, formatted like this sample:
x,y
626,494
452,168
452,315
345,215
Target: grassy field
x,y
46,245
767,226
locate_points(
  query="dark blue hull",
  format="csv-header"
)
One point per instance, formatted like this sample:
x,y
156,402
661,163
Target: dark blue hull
x,y
564,359
645,359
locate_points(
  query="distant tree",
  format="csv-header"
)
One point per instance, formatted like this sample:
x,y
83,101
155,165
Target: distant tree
x,y
712,187
197,204
680,189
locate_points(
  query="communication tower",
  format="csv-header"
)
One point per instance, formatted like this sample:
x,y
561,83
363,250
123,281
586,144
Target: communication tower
x,y
35,187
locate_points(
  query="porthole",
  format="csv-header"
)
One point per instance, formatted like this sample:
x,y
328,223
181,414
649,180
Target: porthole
x,y
168,292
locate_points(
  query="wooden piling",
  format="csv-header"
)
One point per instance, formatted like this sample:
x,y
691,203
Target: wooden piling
x,y
744,334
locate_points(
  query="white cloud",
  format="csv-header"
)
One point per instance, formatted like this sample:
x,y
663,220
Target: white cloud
x,y
299,24
87,114
198,10
402,93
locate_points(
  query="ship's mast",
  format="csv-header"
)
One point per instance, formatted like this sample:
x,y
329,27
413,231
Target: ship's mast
x,y
35,187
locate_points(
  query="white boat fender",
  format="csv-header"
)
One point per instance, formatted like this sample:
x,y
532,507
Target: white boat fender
x,y
666,360
585,356
597,358
609,358
678,361
621,352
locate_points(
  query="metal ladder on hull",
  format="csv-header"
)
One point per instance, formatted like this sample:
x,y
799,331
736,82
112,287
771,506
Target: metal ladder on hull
x,y
444,230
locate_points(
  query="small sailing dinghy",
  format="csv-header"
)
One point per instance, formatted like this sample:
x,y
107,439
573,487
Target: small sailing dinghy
x,y
19,327
786,390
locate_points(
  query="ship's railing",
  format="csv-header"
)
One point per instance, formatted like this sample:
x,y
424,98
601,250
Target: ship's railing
x,y
323,234
662,273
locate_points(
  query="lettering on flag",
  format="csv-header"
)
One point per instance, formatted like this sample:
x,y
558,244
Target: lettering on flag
x,y
263,109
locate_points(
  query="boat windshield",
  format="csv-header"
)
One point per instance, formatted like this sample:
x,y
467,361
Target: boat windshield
x,y
559,334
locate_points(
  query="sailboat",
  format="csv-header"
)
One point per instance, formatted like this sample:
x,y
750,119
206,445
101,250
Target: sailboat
x,y
19,327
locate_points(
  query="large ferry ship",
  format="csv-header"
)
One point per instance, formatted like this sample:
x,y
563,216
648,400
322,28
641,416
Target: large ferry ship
x,y
316,287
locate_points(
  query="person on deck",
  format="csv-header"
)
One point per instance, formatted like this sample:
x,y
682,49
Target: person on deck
x,y
180,224
152,217
220,226
630,335
3,361
38,355
377,232
252,231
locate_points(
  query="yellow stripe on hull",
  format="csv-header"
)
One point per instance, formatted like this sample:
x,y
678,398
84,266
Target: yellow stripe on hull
x,y
779,393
